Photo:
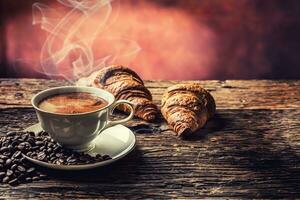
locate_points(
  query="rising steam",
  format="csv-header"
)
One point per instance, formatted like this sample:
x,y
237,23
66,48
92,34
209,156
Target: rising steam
x,y
68,49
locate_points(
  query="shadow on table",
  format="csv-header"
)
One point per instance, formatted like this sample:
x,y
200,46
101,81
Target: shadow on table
x,y
259,146
216,124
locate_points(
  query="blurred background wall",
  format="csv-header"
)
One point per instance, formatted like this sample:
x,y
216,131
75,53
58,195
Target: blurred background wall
x,y
178,39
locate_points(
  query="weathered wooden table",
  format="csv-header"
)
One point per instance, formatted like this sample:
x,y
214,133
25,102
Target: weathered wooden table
x,y
250,149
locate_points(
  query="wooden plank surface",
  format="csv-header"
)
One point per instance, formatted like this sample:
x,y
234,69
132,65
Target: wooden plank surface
x,y
260,94
250,149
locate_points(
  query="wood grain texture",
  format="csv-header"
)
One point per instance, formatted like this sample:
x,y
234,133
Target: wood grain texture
x,y
250,149
231,94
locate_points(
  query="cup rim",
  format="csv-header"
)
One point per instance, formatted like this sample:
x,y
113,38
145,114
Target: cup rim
x,y
67,114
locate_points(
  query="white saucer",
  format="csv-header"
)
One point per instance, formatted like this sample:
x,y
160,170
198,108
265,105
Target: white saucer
x,y
116,141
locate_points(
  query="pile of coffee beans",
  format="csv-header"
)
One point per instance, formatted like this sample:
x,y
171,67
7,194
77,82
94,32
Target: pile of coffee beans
x,y
47,150
15,169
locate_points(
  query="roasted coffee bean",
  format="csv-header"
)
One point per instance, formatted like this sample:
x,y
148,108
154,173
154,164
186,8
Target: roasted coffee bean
x,y
31,134
8,162
34,148
21,146
3,149
13,167
11,133
9,172
17,154
2,174
30,170
27,144
58,155
39,143
41,156
14,143
43,176
31,141
13,182
21,168
33,154
5,179
7,153
35,178
22,160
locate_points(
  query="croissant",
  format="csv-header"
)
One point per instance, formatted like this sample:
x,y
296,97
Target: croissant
x,y
187,108
124,83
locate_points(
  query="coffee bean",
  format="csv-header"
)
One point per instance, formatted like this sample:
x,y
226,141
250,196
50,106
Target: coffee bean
x,y
13,167
5,143
17,154
35,178
13,182
34,148
8,162
3,149
7,153
33,154
39,143
14,143
9,172
27,144
31,141
58,155
5,179
11,134
31,134
2,174
21,168
41,156
22,160
30,170
43,176
21,146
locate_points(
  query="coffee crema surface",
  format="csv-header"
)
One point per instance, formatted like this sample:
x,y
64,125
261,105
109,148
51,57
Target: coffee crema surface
x,y
72,103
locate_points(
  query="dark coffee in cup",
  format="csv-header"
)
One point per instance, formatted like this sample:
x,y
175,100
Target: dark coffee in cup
x,y
72,103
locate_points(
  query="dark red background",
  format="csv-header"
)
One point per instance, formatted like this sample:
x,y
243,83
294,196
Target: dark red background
x,y
190,39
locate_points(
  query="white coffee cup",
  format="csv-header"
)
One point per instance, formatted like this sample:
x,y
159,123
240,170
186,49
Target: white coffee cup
x,y
77,131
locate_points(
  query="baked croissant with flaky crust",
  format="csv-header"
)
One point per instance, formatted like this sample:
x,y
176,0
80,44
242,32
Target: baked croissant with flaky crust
x,y
187,107
124,83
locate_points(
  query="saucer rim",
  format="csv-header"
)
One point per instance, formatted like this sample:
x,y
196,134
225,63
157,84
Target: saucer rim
x,y
119,156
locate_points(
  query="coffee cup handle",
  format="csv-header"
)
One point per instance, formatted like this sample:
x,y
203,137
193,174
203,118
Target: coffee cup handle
x,y
120,121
